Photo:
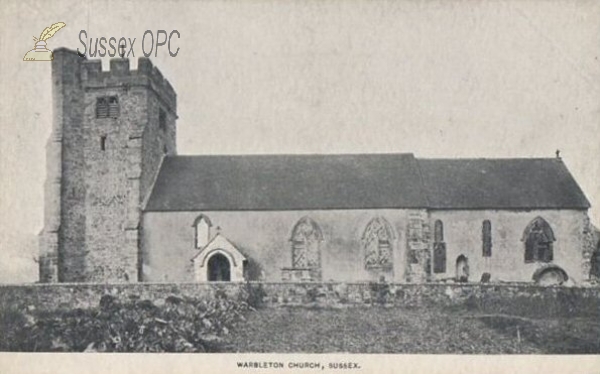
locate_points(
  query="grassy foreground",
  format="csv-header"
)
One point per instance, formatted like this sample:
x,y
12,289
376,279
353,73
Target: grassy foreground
x,y
478,325
380,329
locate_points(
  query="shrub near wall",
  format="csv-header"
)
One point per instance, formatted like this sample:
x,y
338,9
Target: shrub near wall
x,y
179,325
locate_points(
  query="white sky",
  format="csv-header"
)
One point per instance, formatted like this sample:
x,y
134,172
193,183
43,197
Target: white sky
x,y
438,79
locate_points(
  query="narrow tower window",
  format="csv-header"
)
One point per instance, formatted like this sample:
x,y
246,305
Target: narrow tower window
x,y
103,143
162,120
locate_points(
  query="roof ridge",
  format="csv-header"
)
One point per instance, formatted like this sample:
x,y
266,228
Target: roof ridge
x,y
406,154
488,158
292,154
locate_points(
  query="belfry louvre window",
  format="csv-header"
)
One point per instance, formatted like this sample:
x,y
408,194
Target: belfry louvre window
x,y
486,238
107,107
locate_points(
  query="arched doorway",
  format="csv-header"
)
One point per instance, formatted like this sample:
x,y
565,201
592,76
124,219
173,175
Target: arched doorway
x,y
219,268
462,268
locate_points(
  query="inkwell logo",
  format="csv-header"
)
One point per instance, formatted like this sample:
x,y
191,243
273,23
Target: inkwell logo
x,y
40,52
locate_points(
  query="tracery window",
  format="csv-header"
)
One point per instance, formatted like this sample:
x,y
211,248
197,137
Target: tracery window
x,y
306,239
377,244
538,238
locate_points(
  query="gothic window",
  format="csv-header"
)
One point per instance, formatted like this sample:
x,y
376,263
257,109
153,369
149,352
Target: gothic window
x,y
538,238
486,238
439,248
438,231
162,120
107,107
377,244
202,227
306,239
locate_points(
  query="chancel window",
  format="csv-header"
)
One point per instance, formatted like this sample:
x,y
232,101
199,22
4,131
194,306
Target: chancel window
x,y
439,248
438,231
306,239
202,227
486,238
538,238
377,244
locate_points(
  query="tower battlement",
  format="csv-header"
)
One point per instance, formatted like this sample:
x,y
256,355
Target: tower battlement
x,y
120,74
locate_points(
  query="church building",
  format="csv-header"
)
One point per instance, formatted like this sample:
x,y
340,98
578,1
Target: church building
x,y
122,206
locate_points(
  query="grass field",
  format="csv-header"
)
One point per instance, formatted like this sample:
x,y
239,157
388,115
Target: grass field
x,y
379,329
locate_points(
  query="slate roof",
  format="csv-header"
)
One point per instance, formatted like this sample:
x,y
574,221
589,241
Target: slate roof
x,y
373,181
526,183
287,182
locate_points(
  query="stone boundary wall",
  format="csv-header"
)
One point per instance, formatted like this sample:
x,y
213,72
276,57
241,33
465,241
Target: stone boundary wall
x,y
494,298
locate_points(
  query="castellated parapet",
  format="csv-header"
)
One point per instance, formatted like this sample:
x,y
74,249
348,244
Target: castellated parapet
x,y
146,75
111,130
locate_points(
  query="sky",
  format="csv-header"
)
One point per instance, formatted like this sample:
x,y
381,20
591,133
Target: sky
x,y
434,78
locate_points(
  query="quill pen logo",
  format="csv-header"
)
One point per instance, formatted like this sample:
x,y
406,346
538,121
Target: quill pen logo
x,y
40,52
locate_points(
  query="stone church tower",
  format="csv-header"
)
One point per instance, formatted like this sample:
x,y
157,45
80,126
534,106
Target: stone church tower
x,y
111,130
